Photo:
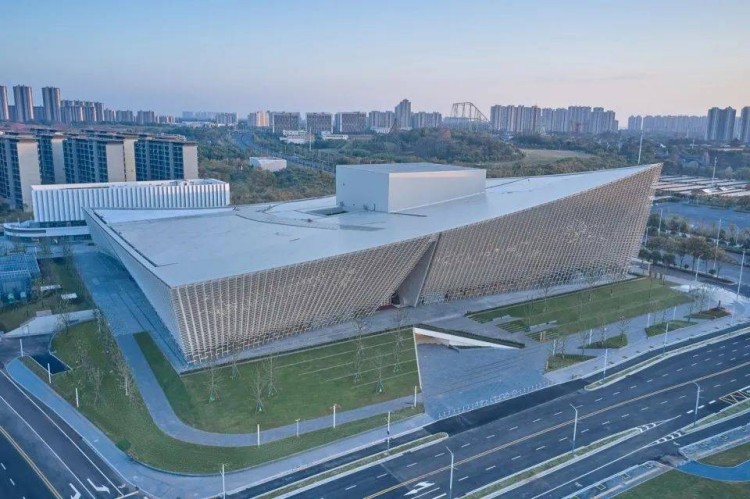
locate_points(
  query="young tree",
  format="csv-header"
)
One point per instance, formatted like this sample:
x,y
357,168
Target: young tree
x,y
125,375
398,347
213,382
582,337
359,350
624,326
64,315
379,387
269,368
562,344
96,376
258,386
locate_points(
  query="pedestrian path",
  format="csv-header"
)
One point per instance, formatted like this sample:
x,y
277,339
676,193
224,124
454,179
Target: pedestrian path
x,y
739,473
162,484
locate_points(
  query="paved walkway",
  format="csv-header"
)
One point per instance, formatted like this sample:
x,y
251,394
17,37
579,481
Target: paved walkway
x,y
48,324
739,473
161,484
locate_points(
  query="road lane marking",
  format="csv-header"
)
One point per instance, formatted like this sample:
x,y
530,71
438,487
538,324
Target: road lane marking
x,y
489,436
606,422
732,380
625,415
438,455
717,386
516,427
689,412
719,363
633,386
562,425
514,458
557,413
537,419
701,406
712,402
465,445
649,380
26,457
3,465
678,370
644,408
616,393
381,476
540,448
664,402
410,465
682,396
693,364
12,482
490,468
665,374
597,400
584,431
463,478
563,439
350,487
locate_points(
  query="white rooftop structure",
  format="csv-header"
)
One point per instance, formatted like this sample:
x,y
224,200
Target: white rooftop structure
x,y
184,246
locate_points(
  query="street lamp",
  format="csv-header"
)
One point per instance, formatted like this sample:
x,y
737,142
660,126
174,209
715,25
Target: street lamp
x,y
575,427
697,398
297,421
450,482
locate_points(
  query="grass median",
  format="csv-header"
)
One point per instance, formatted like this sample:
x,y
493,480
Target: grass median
x,y
126,421
678,485
306,384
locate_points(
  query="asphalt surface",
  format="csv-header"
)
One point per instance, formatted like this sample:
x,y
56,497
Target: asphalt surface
x,y
659,399
64,461
17,476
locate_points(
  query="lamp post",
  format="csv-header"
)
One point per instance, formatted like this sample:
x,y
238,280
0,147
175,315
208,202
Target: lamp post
x,y
575,427
450,482
739,281
297,421
697,398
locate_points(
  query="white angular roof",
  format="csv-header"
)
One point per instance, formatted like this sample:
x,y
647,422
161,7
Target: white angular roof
x,y
186,246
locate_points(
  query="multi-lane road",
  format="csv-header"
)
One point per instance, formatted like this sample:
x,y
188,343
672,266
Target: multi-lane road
x,y
41,456
660,400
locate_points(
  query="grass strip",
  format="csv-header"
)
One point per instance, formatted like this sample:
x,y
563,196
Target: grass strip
x,y
619,341
661,328
307,383
126,421
558,361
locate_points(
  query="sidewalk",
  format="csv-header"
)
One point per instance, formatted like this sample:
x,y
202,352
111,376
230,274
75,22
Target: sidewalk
x,y
639,342
48,324
166,419
163,484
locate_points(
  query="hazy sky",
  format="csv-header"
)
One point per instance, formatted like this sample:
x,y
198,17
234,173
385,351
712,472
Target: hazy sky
x,y
633,56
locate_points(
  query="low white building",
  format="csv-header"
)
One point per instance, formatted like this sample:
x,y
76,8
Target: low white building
x,y
268,163
58,208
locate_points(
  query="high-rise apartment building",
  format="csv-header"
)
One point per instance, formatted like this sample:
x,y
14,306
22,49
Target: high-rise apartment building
x,y
351,122
745,125
4,114
89,159
52,104
145,118
165,158
381,120
403,114
516,119
579,118
318,123
166,120
259,119
602,121
226,119
51,156
23,99
109,116
720,125
635,123
124,116
284,122
426,120
19,169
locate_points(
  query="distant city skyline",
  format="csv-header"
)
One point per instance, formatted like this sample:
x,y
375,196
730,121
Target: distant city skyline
x,y
634,58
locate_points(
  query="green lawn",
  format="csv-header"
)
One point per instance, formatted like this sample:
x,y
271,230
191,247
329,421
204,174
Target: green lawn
x,y
559,361
678,485
54,271
619,341
661,328
591,308
127,422
711,313
308,382
729,458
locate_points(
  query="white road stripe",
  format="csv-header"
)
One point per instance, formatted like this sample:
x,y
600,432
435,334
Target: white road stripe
x,y
410,465
381,476
563,439
644,408
489,436
465,445
537,419
540,448
584,431
597,400
664,402
625,415
350,487
12,482
678,370
491,467
712,402
557,413
514,458
1,464
463,478
516,427
682,396
441,454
